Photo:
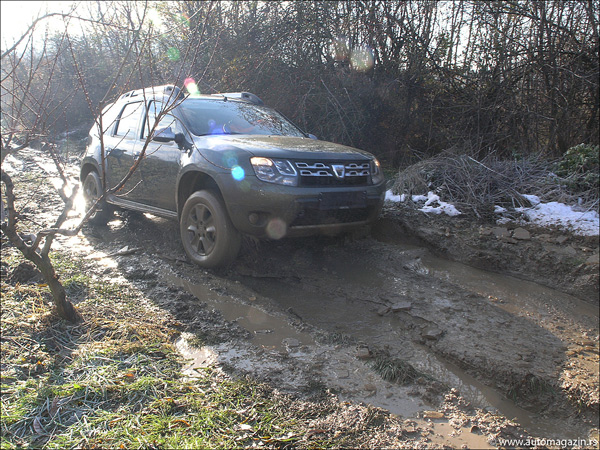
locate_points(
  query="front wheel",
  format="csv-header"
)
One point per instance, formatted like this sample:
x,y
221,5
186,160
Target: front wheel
x,y
208,236
92,190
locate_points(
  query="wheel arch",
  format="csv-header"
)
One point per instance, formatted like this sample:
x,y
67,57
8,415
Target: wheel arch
x,y
87,167
191,182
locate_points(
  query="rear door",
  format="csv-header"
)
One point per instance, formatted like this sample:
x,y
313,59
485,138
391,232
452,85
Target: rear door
x,y
121,154
162,159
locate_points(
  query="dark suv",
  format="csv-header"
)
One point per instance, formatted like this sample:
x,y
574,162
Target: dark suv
x,y
225,165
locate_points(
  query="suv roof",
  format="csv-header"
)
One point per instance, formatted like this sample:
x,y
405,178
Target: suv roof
x,y
177,94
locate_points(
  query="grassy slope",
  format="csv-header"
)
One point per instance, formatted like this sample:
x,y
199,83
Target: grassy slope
x,y
115,381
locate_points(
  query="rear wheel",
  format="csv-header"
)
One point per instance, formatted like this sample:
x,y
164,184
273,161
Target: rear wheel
x,y
208,236
92,191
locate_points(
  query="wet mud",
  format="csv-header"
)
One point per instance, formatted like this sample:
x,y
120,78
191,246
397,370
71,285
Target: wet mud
x,y
464,355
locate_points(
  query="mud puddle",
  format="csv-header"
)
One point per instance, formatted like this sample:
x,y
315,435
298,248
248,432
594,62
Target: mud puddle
x,y
269,331
514,295
339,368
349,318
364,288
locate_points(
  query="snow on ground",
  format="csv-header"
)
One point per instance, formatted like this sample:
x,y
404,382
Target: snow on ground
x,y
585,223
432,204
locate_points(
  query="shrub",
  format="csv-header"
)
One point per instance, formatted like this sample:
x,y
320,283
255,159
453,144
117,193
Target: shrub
x,y
579,168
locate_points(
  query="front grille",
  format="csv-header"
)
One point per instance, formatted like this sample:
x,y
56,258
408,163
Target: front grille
x,y
342,173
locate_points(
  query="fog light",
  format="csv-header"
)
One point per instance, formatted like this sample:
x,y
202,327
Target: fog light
x,y
253,218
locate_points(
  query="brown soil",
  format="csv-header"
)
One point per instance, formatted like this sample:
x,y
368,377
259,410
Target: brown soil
x,y
545,255
342,315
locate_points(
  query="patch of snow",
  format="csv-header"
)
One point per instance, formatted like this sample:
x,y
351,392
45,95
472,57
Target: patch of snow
x,y
391,197
585,223
419,198
533,199
430,205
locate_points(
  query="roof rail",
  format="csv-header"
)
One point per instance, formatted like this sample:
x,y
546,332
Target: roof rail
x,y
247,96
167,89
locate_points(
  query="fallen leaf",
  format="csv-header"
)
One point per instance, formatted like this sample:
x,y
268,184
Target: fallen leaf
x,y
37,426
53,407
316,431
182,422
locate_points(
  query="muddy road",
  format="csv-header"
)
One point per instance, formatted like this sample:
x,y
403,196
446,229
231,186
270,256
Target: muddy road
x,y
376,318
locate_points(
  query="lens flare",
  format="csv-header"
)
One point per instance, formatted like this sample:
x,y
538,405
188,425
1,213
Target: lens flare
x,y
191,86
173,54
230,160
276,229
362,58
238,173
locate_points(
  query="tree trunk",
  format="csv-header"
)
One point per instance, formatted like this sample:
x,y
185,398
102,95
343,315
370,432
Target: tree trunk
x,y
64,307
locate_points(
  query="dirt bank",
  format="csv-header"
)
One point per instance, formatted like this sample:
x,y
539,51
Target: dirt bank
x,y
545,255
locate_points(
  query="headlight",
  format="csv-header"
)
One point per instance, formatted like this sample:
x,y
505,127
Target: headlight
x,y
278,171
376,172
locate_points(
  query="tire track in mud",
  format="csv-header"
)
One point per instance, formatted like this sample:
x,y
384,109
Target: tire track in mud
x,y
383,297
373,295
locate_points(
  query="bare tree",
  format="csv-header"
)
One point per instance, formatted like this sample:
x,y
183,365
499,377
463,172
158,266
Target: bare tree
x,y
31,104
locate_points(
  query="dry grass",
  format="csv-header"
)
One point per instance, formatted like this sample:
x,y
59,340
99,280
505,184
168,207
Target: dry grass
x,y
480,185
115,381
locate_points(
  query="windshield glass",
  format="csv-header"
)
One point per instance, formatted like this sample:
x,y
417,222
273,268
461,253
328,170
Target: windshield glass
x,y
230,117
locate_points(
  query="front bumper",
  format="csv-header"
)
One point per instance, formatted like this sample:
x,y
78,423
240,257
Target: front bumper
x,y
273,211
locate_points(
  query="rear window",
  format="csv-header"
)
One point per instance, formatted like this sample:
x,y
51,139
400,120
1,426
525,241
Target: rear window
x,y
129,120
206,117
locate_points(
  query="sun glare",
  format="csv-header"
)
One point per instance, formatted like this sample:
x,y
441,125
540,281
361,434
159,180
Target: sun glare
x,y
15,19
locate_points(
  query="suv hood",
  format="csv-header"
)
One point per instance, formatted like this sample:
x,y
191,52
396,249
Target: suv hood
x,y
280,147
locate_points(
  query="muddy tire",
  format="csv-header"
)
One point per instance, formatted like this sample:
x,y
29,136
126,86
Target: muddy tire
x,y
209,238
92,190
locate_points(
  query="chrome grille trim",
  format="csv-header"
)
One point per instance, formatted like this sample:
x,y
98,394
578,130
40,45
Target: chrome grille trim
x,y
320,169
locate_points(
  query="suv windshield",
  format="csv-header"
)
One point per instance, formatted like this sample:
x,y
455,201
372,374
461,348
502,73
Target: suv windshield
x,y
231,117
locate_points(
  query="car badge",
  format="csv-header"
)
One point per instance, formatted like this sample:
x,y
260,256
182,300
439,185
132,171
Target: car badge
x,y
338,170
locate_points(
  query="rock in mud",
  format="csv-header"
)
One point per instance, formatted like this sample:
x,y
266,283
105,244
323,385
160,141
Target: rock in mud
x,y
401,306
291,342
432,333
521,234
363,353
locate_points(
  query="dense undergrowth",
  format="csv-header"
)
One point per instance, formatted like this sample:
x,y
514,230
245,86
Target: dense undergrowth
x,y
479,186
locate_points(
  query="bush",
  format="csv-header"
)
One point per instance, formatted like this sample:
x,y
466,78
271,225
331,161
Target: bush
x,y
579,168
479,185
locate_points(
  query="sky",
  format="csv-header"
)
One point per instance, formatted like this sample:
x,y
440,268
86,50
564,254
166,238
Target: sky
x,y
16,16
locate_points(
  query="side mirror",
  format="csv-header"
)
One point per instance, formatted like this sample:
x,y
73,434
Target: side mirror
x,y
164,135
182,142
312,136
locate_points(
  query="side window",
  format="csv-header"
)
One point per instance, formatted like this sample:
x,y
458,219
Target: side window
x,y
129,119
109,117
166,121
